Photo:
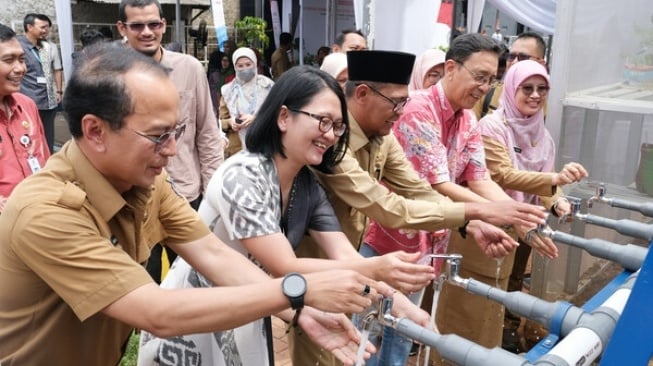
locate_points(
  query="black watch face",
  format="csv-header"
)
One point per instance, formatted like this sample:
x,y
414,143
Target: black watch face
x,y
294,285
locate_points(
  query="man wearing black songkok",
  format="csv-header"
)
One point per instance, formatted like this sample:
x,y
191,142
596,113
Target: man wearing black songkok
x,y
376,93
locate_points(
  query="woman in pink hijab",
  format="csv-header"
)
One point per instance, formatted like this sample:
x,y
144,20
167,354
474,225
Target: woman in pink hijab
x,y
519,150
428,70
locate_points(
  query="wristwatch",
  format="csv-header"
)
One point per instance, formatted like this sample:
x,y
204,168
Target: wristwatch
x,y
294,287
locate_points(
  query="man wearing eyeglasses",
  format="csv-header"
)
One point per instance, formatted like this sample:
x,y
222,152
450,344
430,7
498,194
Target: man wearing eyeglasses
x,y
452,159
201,149
527,46
376,181
74,237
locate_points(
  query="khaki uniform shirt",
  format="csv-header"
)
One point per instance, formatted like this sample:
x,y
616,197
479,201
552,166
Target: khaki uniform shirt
x,y
70,245
507,176
356,194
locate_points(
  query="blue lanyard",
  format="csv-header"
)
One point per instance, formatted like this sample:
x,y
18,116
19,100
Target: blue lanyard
x,y
36,53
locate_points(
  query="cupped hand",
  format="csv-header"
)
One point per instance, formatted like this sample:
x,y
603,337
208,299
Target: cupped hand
x,y
399,270
493,241
542,244
335,333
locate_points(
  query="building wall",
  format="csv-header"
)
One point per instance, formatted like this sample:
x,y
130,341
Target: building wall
x,y
13,11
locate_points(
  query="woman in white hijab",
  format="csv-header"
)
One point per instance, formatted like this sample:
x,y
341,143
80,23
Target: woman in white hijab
x,y
335,64
244,95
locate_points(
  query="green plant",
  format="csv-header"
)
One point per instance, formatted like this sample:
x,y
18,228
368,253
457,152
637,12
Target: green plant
x,y
250,32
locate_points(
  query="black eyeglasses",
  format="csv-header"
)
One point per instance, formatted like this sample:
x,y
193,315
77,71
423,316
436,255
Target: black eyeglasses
x,y
164,138
527,90
326,123
139,27
396,105
480,80
520,56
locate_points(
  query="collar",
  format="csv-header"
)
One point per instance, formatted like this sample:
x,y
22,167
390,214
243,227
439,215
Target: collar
x,y
357,138
446,110
100,193
13,104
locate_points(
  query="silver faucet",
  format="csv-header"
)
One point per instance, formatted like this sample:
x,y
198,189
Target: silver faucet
x,y
599,196
574,211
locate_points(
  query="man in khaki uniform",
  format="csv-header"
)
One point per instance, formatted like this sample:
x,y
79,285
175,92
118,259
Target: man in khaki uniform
x,y
376,94
74,236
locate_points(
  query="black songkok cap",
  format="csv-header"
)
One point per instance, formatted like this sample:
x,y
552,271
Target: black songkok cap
x,y
380,66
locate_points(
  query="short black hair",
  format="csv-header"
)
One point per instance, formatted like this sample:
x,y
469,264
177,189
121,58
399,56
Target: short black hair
x,y
97,85
340,38
285,38
6,33
295,89
467,44
90,36
31,18
106,32
539,41
136,4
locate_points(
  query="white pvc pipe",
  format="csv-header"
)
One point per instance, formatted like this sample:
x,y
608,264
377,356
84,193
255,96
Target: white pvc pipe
x,y
582,345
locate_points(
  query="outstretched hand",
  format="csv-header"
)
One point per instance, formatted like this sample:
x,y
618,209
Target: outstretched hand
x,y
511,212
570,173
399,270
494,242
342,291
542,244
335,333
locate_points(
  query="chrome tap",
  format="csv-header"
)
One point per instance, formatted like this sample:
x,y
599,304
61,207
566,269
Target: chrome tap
x,y
599,196
574,211
451,269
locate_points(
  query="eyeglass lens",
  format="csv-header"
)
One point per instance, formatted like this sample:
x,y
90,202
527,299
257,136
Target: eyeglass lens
x,y
518,56
529,89
139,27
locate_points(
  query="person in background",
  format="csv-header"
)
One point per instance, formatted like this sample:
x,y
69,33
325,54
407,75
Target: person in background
x,y
74,237
349,40
201,149
107,33
264,200
23,146
428,69
43,81
243,96
335,64
280,61
321,53
497,36
520,153
89,36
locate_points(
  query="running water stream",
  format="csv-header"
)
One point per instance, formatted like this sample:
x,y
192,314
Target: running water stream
x,y
361,349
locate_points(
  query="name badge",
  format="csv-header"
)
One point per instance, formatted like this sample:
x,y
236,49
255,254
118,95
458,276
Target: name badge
x,y
34,164
517,149
41,80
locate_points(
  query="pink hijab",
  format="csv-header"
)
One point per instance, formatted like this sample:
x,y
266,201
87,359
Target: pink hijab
x,y
519,132
423,63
